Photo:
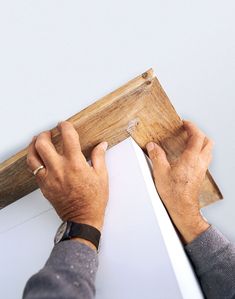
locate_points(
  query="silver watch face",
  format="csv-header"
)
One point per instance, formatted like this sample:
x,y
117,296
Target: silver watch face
x,y
60,232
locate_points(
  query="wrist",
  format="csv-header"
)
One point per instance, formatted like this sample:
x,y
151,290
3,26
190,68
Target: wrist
x,y
86,242
85,233
190,228
97,224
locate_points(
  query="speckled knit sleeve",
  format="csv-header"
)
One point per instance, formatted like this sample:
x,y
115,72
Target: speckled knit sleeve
x,y
213,258
69,273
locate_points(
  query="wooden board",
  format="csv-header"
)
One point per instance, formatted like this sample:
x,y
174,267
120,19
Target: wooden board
x,y
140,109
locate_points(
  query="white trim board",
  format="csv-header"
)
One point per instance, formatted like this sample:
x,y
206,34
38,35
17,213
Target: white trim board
x,y
140,253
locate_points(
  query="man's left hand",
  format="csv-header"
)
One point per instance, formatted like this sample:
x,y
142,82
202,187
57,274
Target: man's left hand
x,y
78,192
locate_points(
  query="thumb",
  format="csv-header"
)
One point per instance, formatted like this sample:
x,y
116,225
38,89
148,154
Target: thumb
x,y
158,157
98,157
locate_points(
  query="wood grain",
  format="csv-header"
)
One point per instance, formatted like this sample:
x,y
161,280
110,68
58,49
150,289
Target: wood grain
x,y
140,109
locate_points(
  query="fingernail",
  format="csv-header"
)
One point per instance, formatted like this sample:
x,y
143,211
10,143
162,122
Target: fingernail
x,y
150,146
104,145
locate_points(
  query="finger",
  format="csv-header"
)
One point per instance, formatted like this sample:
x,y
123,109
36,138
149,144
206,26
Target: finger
x,y
207,141
98,157
70,139
158,157
33,159
46,150
206,152
195,138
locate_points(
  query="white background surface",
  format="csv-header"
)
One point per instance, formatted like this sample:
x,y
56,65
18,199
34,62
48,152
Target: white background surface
x,y
57,57
140,254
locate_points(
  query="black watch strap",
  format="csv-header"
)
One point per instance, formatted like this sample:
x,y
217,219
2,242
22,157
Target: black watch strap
x,y
84,231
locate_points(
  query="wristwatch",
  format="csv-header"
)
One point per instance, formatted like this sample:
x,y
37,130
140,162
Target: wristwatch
x,y
70,229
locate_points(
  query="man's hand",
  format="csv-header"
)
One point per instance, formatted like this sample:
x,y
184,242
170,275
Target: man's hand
x,y
79,192
178,183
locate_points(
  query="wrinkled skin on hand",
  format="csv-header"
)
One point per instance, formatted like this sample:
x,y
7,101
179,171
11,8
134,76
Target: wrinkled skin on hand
x,y
78,192
179,182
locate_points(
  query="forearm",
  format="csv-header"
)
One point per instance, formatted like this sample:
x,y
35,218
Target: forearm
x,y
69,273
213,258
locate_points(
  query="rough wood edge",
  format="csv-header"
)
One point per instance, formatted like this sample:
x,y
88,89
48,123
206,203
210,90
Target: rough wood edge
x,y
140,84
107,100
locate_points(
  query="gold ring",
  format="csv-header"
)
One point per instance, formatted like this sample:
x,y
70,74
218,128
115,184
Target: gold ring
x,y
38,169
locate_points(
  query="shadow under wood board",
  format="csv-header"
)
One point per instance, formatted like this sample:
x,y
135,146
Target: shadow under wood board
x,y
140,109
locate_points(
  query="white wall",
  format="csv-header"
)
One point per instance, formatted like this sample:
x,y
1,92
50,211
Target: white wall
x,y
57,57
140,253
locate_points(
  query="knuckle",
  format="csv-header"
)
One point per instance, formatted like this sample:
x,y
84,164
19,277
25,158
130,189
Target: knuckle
x,y
41,143
72,135
29,160
76,166
43,134
66,125
188,123
98,150
155,153
199,135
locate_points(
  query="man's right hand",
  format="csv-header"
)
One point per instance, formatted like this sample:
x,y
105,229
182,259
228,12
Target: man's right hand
x,y
178,183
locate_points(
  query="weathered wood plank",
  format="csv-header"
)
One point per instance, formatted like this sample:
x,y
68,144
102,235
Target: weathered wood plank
x,y
139,108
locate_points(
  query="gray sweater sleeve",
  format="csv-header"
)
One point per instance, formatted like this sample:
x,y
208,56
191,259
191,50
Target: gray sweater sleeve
x,y
69,273
213,258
